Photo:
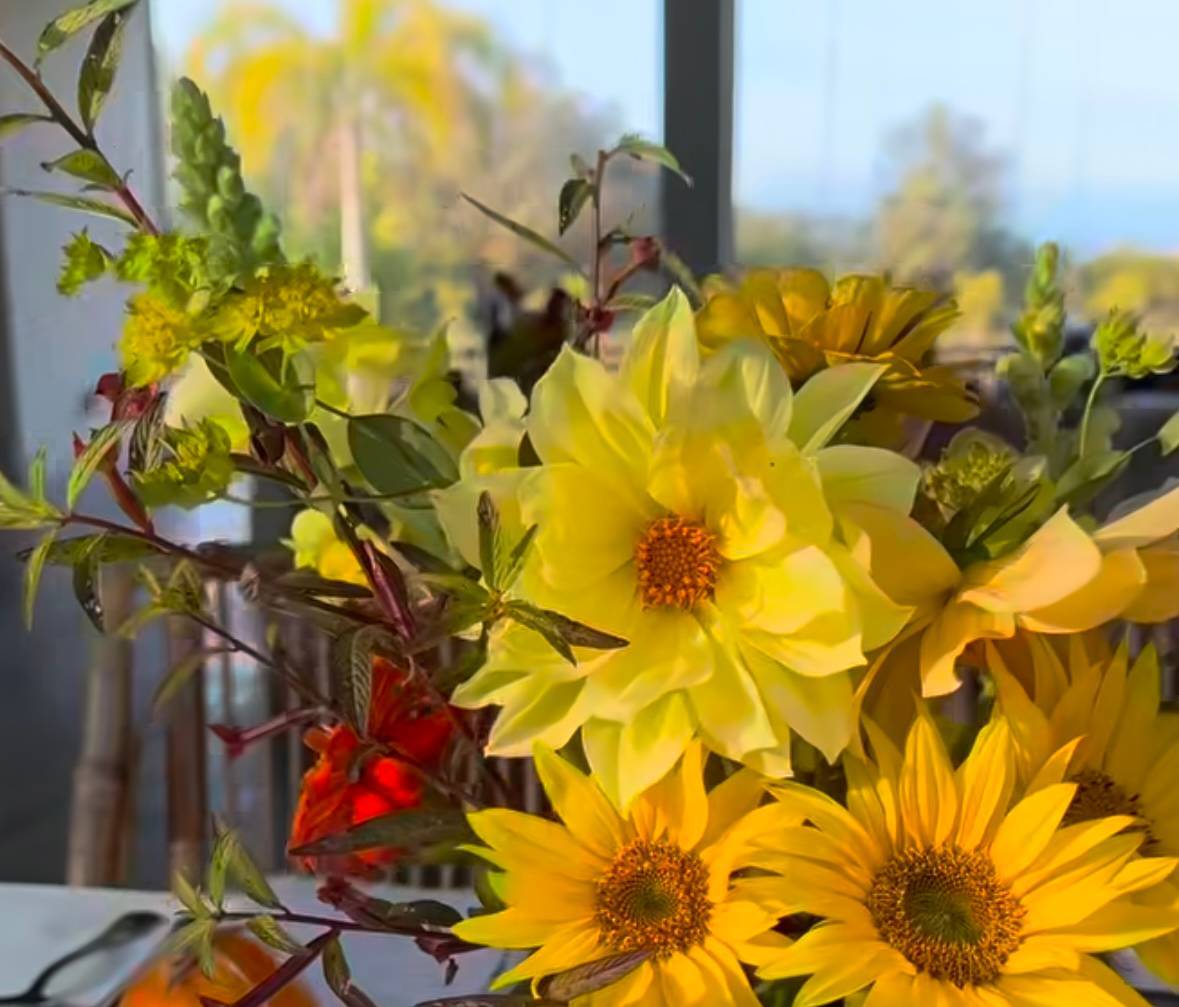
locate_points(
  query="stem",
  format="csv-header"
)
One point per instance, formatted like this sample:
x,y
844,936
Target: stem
x,y
361,498
596,196
84,140
1089,402
310,919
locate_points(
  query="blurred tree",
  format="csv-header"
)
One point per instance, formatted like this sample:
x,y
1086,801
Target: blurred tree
x,y
943,214
1140,282
362,140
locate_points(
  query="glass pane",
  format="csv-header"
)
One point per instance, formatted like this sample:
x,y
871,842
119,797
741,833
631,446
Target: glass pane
x,y
941,145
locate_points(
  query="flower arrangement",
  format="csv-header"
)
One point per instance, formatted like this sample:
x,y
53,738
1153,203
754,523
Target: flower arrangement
x,y
718,595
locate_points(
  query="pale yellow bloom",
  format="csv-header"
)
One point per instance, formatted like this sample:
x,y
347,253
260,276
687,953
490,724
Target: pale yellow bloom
x,y
938,887
656,880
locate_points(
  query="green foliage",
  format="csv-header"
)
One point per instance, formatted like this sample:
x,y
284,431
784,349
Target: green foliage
x,y
84,262
65,26
183,593
213,193
231,864
396,456
103,444
647,150
97,76
83,204
196,468
14,122
526,233
173,266
1040,328
87,165
1124,350
283,390
34,567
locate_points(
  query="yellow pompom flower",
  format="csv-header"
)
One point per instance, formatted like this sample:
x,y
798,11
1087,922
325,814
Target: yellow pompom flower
x,y
1099,722
954,888
1061,580
811,325
157,339
691,508
601,884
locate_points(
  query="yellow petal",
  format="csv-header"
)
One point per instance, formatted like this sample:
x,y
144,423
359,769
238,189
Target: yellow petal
x,y
828,400
986,780
1104,598
675,806
958,626
508,929
1028,828
1143,526
662,354
1159,599
928,792
573,945
579,803
854,474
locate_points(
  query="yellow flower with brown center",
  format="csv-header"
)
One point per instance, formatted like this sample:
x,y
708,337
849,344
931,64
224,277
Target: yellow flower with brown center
x,y
1098,723
812,325
655,882
955,888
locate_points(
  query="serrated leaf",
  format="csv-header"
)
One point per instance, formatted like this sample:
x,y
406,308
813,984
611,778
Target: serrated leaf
x,y
489,538
33,570
88,165
16,121
188,896
86,586
351,662
240,870
218,871
65,26
146,449
113,548
583,980
396,456
647,150
415,829
540,622
513,563
285,394
578,634
631,302
82,203
88,462
37,471
457,586
526,233
271,933
101,63
575,193
1168,434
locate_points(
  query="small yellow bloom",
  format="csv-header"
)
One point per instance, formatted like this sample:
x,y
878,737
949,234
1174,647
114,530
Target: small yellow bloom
x,y
656,880
1098,724
157,339
812,325
955,888
316,546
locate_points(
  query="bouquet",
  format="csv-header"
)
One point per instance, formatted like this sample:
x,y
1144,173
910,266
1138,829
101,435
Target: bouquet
x,y
831,692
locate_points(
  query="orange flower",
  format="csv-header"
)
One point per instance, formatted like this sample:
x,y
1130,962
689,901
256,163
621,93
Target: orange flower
x,y
345,788
240,964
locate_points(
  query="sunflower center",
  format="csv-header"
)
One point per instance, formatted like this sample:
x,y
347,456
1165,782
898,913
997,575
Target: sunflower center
x,y
677,561
946,911
654,897
1098,796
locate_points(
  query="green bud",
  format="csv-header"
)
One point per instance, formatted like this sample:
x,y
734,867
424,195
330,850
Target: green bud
x,y
1123,350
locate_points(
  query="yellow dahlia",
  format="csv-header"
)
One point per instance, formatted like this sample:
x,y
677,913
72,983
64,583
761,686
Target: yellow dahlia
x,y
1099,724
943,887
656,880
691,508
1061,580
811,325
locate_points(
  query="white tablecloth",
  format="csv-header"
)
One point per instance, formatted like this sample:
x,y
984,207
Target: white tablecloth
x,y
38,924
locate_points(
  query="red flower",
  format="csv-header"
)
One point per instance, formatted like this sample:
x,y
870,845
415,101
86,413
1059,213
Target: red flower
x,y
347,786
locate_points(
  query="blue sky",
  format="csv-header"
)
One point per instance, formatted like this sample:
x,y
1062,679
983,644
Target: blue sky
x,y
1079,94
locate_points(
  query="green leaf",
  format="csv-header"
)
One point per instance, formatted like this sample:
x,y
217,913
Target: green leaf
x,y
539,621
270,932
351,661
656,153
514,562
1168,434
578,634
188,896
180,673
86,586
339,977
101,63
592,976
111,548
1069,376
682,273
575,193
148,440
84,262
490,536
88,165
81,203
194,939
240,869
37,468
65,26
88,462
16,121
218,872
413,830
284,394
631,302
526,233
33,570
396,456
1088,476
19,511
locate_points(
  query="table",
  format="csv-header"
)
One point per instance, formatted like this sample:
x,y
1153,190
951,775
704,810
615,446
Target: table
x,y
40,923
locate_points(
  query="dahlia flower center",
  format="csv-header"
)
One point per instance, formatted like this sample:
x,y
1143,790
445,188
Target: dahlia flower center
x,y
677,562
945,910
654,897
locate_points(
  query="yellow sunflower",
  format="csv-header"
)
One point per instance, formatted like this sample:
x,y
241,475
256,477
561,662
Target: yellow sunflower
x,y
602,884
1061,580
811,325
939,887
1102,721
689,507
